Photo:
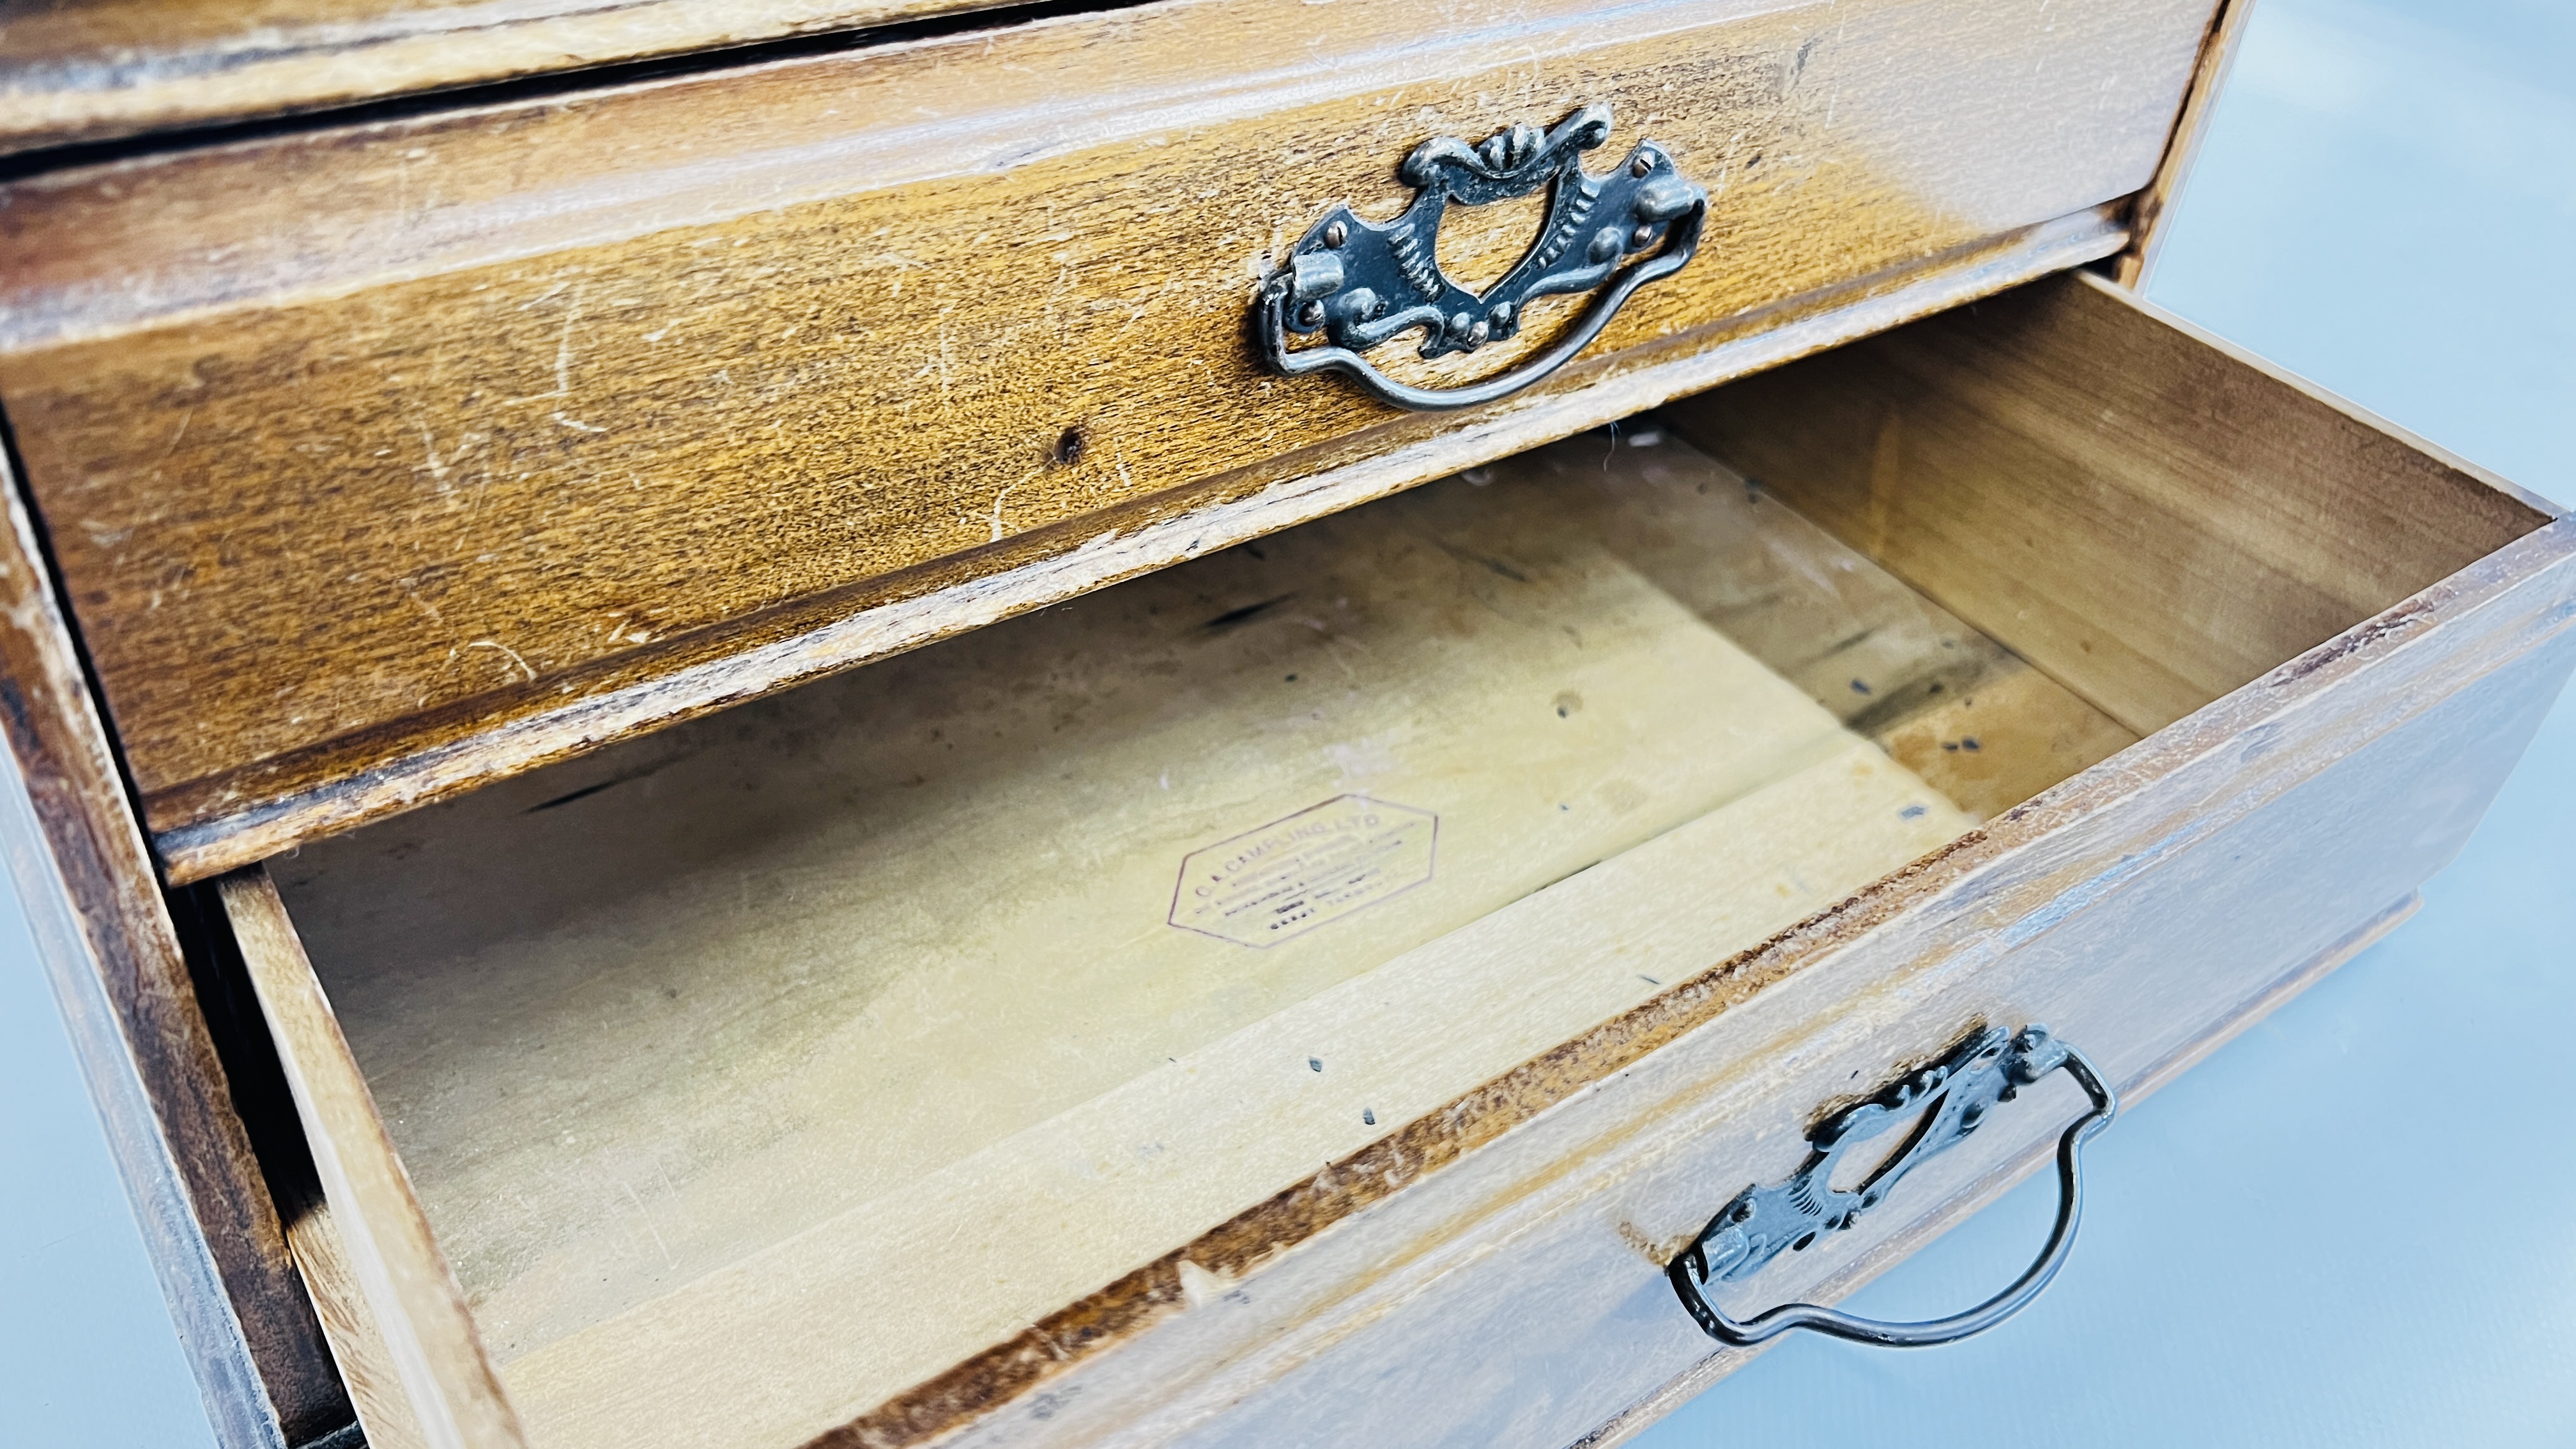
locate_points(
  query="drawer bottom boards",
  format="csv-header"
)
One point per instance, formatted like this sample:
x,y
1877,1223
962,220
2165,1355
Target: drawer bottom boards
x,y
1339,972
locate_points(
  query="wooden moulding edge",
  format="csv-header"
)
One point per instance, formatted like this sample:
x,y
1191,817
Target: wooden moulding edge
x,y
191,1283
247,78
2154,205
104,937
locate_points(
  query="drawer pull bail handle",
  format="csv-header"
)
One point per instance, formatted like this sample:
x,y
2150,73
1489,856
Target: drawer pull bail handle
x,y
1361,282
1762,1222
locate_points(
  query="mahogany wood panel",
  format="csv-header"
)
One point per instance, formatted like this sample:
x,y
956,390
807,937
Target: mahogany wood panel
x,y
362,446
87,70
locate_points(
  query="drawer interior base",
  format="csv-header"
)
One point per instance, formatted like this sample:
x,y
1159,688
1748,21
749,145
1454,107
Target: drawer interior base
x,y
949,989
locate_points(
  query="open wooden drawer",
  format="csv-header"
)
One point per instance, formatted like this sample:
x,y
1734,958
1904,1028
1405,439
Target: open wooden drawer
x,y
1306,996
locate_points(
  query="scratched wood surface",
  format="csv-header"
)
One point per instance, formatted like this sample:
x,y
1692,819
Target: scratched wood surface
x,y
1502,1257
943,892
95,69
364,446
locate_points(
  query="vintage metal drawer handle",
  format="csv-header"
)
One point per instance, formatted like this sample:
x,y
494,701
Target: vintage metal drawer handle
x,y
1763,1222
1361,282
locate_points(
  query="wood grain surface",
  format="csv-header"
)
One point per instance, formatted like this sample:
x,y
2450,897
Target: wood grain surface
x,y
2115,903
1968,716
943,886
2144,513
1503,1256
364,445
411,1301
105,938
90,70
821,635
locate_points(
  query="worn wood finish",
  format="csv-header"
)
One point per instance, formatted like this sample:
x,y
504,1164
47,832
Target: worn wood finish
x,y
428,1338
108,946
2146,514
358,1346
840,1189
104,249
1920,1230
2135,907
818,636
95,69
2153,208
406,448
2083,907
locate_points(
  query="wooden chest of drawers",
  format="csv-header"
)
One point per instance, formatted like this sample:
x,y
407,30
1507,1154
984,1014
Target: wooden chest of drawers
x,y
1309,992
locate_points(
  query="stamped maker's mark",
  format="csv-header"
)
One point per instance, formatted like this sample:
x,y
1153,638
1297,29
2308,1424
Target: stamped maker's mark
x,y
1292,875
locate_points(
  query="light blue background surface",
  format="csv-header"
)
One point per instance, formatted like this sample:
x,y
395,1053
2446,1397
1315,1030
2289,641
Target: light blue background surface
x,y
2356,1226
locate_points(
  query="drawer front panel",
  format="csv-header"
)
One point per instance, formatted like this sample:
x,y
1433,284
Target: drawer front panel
x,y
361,447
1566,1321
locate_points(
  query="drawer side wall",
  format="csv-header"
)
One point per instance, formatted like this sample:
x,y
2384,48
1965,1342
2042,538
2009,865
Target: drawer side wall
x,y
2145,517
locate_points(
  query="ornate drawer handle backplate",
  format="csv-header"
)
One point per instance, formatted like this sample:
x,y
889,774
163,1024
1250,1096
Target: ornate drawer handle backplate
x,y
1763,1222
1361,283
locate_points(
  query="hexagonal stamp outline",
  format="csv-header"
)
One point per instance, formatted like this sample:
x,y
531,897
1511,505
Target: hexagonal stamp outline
x,y
1297,860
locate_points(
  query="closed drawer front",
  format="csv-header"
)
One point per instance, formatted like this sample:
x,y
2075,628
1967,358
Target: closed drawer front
x,y
1538,852
384,461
